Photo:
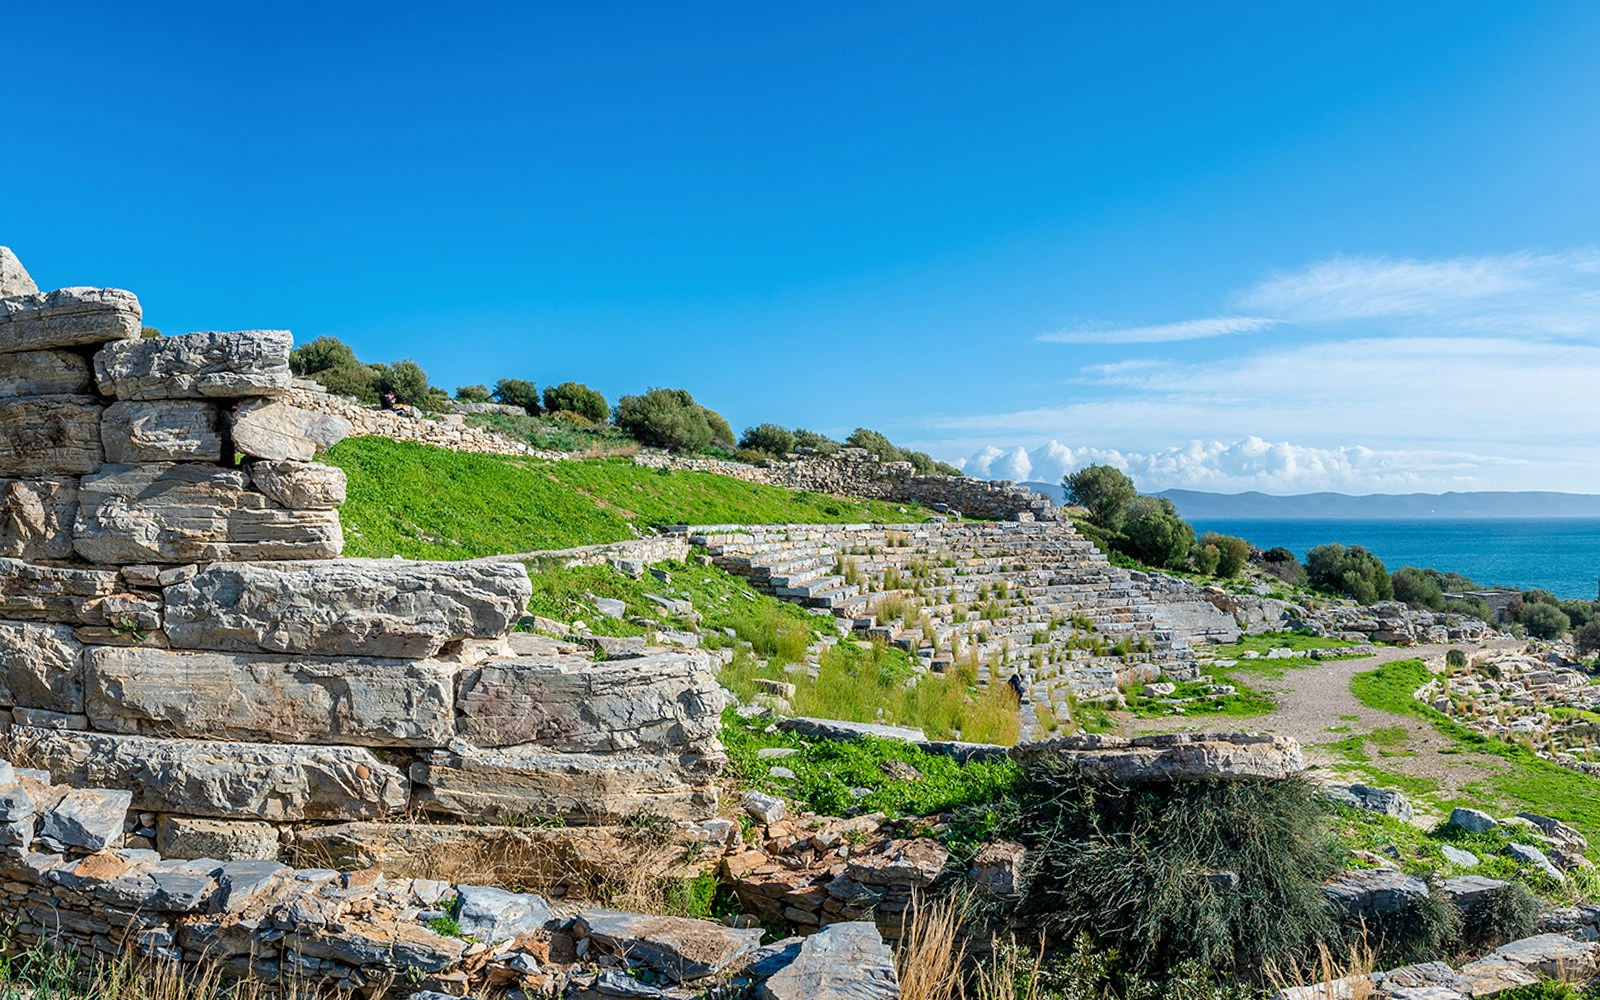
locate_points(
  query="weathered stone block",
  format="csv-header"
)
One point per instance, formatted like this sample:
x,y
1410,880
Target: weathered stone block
x,y
190,837
677,947
493,915
354,607
197,366
280,431
225,780
68,317
86,819
56,593
660,702
271,698
45,373
36,518
845,961
50,436
161,431
300,485
14,278
180,513
1174,757
40,667
519,784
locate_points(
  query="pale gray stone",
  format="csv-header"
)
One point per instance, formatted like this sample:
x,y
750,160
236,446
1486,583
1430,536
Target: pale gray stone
x,y
1385,801
67,317
1525,962
270,698
1373,893
371,607
36,517
844,961
45,373
240,881
14,278
195,837
17,816
1174,757
1457,856
56,593
43,718
681,949
1472,820
1529,855
165,430
300,485
197,366
764,808
225,780
1468,891
572,703
40,667
279,431
181,513
86,819
493,915
518,785
838,729
1560,834
43,436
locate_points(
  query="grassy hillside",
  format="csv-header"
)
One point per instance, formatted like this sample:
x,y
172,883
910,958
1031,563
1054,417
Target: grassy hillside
x,y
423,502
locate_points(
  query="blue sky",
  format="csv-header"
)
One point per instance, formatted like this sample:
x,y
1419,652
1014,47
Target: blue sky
x,y
1227,246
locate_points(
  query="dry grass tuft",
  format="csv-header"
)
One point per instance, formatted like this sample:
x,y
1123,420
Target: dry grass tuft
x,y
930,957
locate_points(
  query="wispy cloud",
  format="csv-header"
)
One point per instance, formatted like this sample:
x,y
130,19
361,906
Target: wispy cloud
x,y
1194,329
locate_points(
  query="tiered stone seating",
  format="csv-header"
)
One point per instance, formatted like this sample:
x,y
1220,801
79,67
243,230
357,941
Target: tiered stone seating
x,y
1033,599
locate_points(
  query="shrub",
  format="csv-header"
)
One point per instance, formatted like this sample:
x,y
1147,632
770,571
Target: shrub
x,y
320,355
1580,613
1204,559
150,333
665,418
1417,588
1544,621
1105,490
474,394
874,443
405,379
1587,638
1353,572
575,397
353,382
1232,553
1504,915
1472,607
721,430
1281,563
819,443
1156,534
1456,658
769,439
518,392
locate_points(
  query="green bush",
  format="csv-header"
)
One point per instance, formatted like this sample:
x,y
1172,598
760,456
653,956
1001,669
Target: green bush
x,y
1232,553
575,397
769,439
670,419
822,444
1354,572
405,379
1156,534
474,394
1507,914
1472,607
1543,621
518,392
320,355
1204,559
1417,588
353,382
1281,563
1587,638
1105,490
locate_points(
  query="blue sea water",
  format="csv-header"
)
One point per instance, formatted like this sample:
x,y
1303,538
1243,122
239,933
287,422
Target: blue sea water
x,y
1561,555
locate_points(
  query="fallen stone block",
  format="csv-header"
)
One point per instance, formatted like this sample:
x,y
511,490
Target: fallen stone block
x,y
574,704
36,518
18,815
355,607
1470,891
197,366
186,837
300,485
46,436
225,780
493,915
182,513
681,949
85,819
1384,801
1471,820
270,698
914,863
164,430
763,808
56,593
519,784
278,431
40,667
1174,757
1525,962
67,317
14,278
842,731
1529,855
1373,893
845,961
45,373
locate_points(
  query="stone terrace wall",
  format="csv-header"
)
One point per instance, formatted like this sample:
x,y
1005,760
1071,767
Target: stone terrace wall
x,y
854,472
179,628
446,431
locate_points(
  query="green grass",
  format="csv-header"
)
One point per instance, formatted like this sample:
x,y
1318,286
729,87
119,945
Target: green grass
x,y
555,433
1261,643
422,502
1527,782
1244,703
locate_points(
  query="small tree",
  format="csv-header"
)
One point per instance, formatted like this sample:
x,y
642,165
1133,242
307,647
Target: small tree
x,y
320,355
1232,553
1204,558
405,379
474,394
819,443
1417,588
721,430
1587,638
1281,563
1353,572
575,397
769,439
1156,534
1544,620
518,392
665,418
875,443
1105,490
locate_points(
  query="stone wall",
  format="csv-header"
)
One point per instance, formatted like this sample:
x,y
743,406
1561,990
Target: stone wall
x,y
854,472
442,431
179,627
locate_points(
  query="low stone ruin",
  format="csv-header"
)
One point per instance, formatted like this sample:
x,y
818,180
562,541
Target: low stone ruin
x,y
1544,701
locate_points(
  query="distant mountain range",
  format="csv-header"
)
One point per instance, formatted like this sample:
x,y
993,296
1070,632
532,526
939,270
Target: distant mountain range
x,y
1196,505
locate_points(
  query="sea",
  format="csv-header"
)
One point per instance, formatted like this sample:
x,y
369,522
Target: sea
x,y
1561,555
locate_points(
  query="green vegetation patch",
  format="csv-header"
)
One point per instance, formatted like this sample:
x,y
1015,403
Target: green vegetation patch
x,y
1260,644
423,502
1244,703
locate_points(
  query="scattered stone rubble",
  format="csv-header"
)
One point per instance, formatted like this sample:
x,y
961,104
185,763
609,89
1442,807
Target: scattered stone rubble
x,y
1520,696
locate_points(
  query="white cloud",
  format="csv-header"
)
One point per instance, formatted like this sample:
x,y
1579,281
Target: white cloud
x,y
1194,329
997,463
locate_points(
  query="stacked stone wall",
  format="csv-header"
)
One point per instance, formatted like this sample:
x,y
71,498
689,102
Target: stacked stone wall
x,y
440,430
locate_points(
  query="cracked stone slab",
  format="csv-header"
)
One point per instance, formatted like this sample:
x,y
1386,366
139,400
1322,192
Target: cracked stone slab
x,y
679,948
68,317
57,593
41,667
278,431
86,819
197,366
167,430
844,961
14,278
300,485
36,518
46,436
45,373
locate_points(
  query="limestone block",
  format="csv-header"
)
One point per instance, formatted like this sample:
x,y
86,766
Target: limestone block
x,y
270,698
40,667
197,366
677,947
56,593
279,431
520,784
45,373
1371,893
660,702
50,436
845,961
276,783
36,517
493,915
352,607
161,431
190,837
85,819
14,278
68,317
181,513
300,485
1174,757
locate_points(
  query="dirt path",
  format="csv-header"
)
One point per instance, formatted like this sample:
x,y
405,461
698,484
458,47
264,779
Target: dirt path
x,y
1315,706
